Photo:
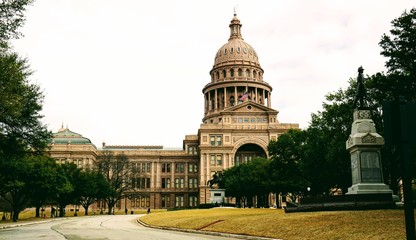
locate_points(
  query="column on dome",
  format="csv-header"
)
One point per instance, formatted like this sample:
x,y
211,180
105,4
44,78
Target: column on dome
x,y
235,96
216,100
269,103
225,98
257,96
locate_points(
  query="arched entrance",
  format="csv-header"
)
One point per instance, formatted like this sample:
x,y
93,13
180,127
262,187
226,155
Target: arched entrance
x,y
247,152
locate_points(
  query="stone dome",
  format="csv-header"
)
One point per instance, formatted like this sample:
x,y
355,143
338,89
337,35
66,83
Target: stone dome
x,y
236,50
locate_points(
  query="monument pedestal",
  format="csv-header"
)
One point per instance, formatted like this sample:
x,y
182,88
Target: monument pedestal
x,y
369,188
217,196
364,145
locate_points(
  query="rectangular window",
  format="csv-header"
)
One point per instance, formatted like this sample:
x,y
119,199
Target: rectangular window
x,y
182,167
165,167
219,141
133,167
193,201
148,167
177,183
219,160
192,167
143,167
212,160
142,183
212,140
182,183
165,201
179,201
147,182
133,183
163,182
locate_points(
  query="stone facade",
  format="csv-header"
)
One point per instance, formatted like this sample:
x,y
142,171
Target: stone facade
x,y
237,126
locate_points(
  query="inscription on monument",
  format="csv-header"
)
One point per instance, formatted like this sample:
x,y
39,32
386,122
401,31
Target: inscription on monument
x,y
354,168
370,167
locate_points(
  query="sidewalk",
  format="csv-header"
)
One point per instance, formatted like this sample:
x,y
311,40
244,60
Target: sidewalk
x,y
24,222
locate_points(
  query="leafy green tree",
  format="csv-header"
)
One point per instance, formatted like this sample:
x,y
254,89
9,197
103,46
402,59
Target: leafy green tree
x,y
91,186
248,180
117,171
15,188
67,186
43,181
285,163
11,18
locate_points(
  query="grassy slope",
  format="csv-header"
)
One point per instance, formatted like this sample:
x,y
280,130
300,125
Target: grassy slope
x,y
375,224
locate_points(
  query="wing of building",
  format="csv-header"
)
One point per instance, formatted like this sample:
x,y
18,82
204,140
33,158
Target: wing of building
x,y
238,124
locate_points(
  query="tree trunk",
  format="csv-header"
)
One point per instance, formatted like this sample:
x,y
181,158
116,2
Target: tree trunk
x,y
15,214
86,206
37,211
62,211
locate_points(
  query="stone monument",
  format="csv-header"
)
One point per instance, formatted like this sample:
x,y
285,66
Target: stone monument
x,y
364,144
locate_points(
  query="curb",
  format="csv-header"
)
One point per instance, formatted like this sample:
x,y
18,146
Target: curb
x,y
206,232
13,225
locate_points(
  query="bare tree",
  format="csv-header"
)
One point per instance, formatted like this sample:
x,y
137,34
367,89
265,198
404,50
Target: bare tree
x,y
116,170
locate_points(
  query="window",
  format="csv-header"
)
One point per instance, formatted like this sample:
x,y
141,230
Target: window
x,y
166,183
193,201
192,167
165,167
219,160
179,201
254,74
193,183
179,167
232,50
212,160
216,140
240,72
143,167
176,183
224,73
232,72
192,150
148,167
247,73
147,182
165,201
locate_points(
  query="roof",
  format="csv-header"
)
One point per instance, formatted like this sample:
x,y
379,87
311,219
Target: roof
x,y
66,136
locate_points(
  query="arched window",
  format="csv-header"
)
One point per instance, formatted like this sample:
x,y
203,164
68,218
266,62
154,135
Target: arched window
x,y
232,72
218,75
240,72
247,73
254,74
224,74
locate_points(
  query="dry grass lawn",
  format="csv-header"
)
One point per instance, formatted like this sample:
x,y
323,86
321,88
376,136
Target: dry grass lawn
x,y
374,224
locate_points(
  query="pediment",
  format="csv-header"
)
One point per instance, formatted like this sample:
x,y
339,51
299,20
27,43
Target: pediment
x,y
249,107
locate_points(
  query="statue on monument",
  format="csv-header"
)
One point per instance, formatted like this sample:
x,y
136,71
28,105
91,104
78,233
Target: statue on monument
x,y
216,179
361,94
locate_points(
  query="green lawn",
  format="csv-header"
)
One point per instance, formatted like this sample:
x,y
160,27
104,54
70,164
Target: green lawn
x,y
371,224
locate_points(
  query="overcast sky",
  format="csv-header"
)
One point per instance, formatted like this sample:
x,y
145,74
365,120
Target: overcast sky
x,y
131,72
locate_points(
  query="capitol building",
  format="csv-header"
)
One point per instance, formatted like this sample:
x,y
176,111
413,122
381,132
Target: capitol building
x,y
237,126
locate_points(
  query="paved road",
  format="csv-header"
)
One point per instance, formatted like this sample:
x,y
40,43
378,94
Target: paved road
x,y
101,227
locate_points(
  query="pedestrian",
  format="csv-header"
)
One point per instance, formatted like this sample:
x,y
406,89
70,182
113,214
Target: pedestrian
x,y
53,212
148,210
126,211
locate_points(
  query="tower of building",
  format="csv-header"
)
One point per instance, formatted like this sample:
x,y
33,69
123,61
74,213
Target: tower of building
x,y
238,121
